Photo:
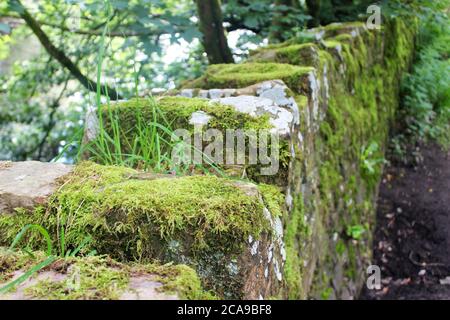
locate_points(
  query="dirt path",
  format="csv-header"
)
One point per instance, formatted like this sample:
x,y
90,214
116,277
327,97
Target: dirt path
x,y
412,238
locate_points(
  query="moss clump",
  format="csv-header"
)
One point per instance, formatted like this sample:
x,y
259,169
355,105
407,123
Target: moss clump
x,y
242,75
178,279
298,54
131,218
273,199
91,278
98,277
11,261
193,219
178,111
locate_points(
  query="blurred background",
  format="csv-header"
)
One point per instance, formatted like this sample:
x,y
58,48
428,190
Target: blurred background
x,y
53,53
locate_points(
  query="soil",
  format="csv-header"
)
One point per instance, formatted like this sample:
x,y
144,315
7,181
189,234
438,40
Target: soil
x,y
412,237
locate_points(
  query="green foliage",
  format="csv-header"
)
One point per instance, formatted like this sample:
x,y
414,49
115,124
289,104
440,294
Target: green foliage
x,y
370,159
257,16
356,231
42,109
425,112
148,147
130,213
342,10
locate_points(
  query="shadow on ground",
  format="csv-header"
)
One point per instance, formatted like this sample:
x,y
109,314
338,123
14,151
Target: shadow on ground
x,y
412,238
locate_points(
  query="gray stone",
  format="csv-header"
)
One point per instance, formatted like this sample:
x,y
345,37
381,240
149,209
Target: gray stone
x,y
199,118
29,183
280,118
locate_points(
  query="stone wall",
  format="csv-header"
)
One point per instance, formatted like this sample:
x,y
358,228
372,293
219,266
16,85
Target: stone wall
x,y
304,232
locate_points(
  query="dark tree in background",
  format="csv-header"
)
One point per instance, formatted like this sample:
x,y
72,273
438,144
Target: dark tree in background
x,y
314,12
211,25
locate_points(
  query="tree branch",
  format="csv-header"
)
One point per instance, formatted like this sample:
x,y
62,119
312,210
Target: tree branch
x,y
61,57
118,33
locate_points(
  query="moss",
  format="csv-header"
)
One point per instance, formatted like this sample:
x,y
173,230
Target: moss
x,y
91,278
179,279
273,199
179,111
11,261
296,233
99,277
242,75
299,55
123,214
188,219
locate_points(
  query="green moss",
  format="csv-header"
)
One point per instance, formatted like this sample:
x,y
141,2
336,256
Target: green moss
x,y
99,277
195,219
361,108
123,215
242,75
91,278
11,261
273,199
299,55
178,111
181,280
296,233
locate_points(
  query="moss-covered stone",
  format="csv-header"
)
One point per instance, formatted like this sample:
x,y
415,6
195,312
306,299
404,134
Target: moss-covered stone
x,y
299,54
178,111
204,221
347,96
242,75
97,278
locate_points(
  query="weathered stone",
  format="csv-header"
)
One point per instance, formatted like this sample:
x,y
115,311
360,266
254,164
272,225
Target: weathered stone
x,y
27,184
199,118
141,287
338,95
133,209
94,278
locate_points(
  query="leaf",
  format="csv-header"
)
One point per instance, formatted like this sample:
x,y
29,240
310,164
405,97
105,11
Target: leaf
x,y
191,33
251,22
39,228
355,231
119,4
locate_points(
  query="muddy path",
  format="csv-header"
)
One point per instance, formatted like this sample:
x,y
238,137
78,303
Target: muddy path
x,y
412,238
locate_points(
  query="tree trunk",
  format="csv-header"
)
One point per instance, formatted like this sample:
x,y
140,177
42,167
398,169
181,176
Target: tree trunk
x,y
211,26
314,12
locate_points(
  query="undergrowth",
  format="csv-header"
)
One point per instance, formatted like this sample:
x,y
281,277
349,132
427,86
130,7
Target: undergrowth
x,y
425,110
